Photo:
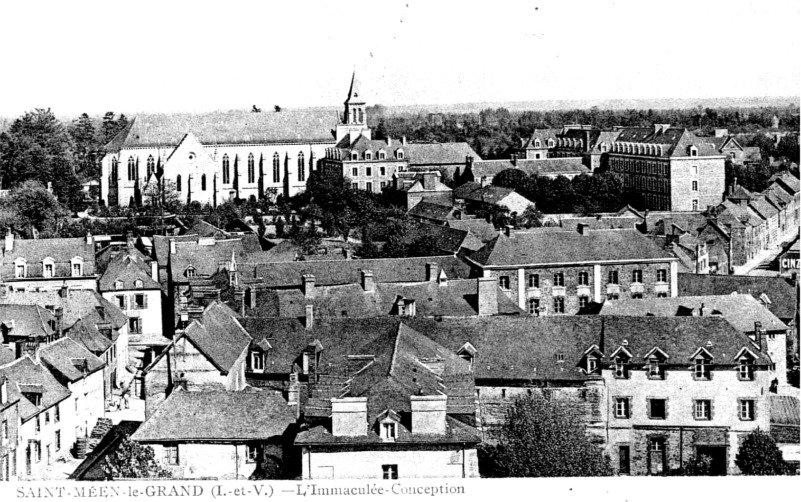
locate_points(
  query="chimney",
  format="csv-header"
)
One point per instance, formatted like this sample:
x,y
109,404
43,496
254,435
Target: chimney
x,y
293,392
172,247
487,296
429,181
403,140
428,414
484,181
514,159
389,141
469,161
89,239
154,270
432,270
507,230
368,283
59,312
349,416
63,292
701,311
307,285
309,320
251,297
9,241
583,228
758,338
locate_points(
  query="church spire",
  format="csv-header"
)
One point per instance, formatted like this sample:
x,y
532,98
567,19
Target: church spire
x,y
353,93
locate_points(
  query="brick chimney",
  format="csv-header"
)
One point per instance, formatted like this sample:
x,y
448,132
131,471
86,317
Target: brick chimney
x,y
349,416
583,228
487,296
307,285
428,414
432,271
368,284
758,336
9,241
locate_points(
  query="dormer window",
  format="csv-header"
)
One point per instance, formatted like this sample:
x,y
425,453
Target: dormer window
x,y
256,361
537,143
139,284
746,369
20,268
48,266
592,364
382,155
468,353
389,431
190,271
354,156
118,285
368,155
693,151
77,266
399,154
621,370
702,360
655,369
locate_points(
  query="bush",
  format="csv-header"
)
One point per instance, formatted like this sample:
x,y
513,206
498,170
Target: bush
x,y
759,456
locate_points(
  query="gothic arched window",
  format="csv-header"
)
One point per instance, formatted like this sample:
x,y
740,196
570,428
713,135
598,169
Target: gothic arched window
x,y
301,167
203,182
226,165
251,169
131,169
178,183
151,165
276,168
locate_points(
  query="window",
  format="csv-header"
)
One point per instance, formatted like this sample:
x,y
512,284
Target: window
x,y
383,185
57,414
533,306
583,279
746,369
226,166
702,409
695,204
301,167
256,361
624,460
368,171
702,368
399,154
120,302
5,430
58,440
389,430
19,271
178,184
381,156
584,301
559,305
747,409
38,424
171,454
695,186
251,168
558,279
139,301
656,457
382,170
637,295
134,325
612,277
368,186
661,275
655,369
390,471
657,409
661,294
612,296
114,168
276,168
354,186
636,276
354,171
190,271
47,417
621,370
37,449
592,364
622,407
534,280
252,453
503,281
48,270
131,169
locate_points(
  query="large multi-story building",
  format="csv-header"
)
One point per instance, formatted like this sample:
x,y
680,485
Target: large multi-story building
x,y
672,168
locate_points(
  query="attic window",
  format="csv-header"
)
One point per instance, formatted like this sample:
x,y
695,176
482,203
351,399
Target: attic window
x,y
33,397
656,371
139,284
702,368
560,357
592,364
47,267
693,151
382,155
190,271
746,369
621,370
77,266
399,154
118,285
389,431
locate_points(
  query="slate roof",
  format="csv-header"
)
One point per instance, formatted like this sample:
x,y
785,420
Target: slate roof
x,y
447,239
607,137
61,250
458,298
784,410
532,167
481,228
782,296
437,154
677,140
763,207
741,311
62,356
77,304
432,211
568,247
205,256
216,415
161,246
361,144
219,336
228,127
87,334
24,373
6,355
128,268
327,273
455,432
28,319
543,135
600,223
790,182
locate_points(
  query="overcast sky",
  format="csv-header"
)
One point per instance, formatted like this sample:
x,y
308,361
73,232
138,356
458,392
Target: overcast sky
x,y
164,55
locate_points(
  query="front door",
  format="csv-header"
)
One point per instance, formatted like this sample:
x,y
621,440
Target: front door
x,y
656,456
717,455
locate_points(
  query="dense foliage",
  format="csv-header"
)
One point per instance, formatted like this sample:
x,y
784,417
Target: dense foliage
x,y
133,460
759,456
543,438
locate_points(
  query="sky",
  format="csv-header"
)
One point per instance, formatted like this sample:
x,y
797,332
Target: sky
x,y
163,56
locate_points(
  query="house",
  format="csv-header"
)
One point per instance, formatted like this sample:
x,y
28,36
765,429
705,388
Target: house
x,y
219,434
403,413
479,227
477,196
414,187
432,212
370,164
672,168
561,272
743,312
478,170
207,353
48,420
438,156
22,325
784,423
81,372
48,264
9,423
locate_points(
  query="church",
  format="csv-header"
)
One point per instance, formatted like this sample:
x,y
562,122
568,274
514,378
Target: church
x,y
211,157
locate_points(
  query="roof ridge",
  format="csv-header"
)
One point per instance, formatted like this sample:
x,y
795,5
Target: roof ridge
x,y
395,349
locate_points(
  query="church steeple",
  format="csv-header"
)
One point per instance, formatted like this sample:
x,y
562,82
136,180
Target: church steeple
x,y
354,105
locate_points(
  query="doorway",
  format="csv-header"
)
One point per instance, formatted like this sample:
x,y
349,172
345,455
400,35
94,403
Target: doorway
x,y
717,454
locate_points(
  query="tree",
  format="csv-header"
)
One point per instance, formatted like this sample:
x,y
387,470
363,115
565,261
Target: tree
x,y
133,460
307,238
759,456
544,438
33,207
165,191
531,217
86,147
110,126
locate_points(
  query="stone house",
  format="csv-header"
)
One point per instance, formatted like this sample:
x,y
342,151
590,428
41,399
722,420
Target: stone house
x,y
48,264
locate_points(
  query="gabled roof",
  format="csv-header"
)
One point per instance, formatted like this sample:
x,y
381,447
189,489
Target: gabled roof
x,y
437,154
783,296
26,320
65,356
216,415
206,229
446,239
432,211
741,311
481,228
24,372
568,247
228,127
127,268
533,167
219,336
87,334
204,255
676,140
75,304
61,251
